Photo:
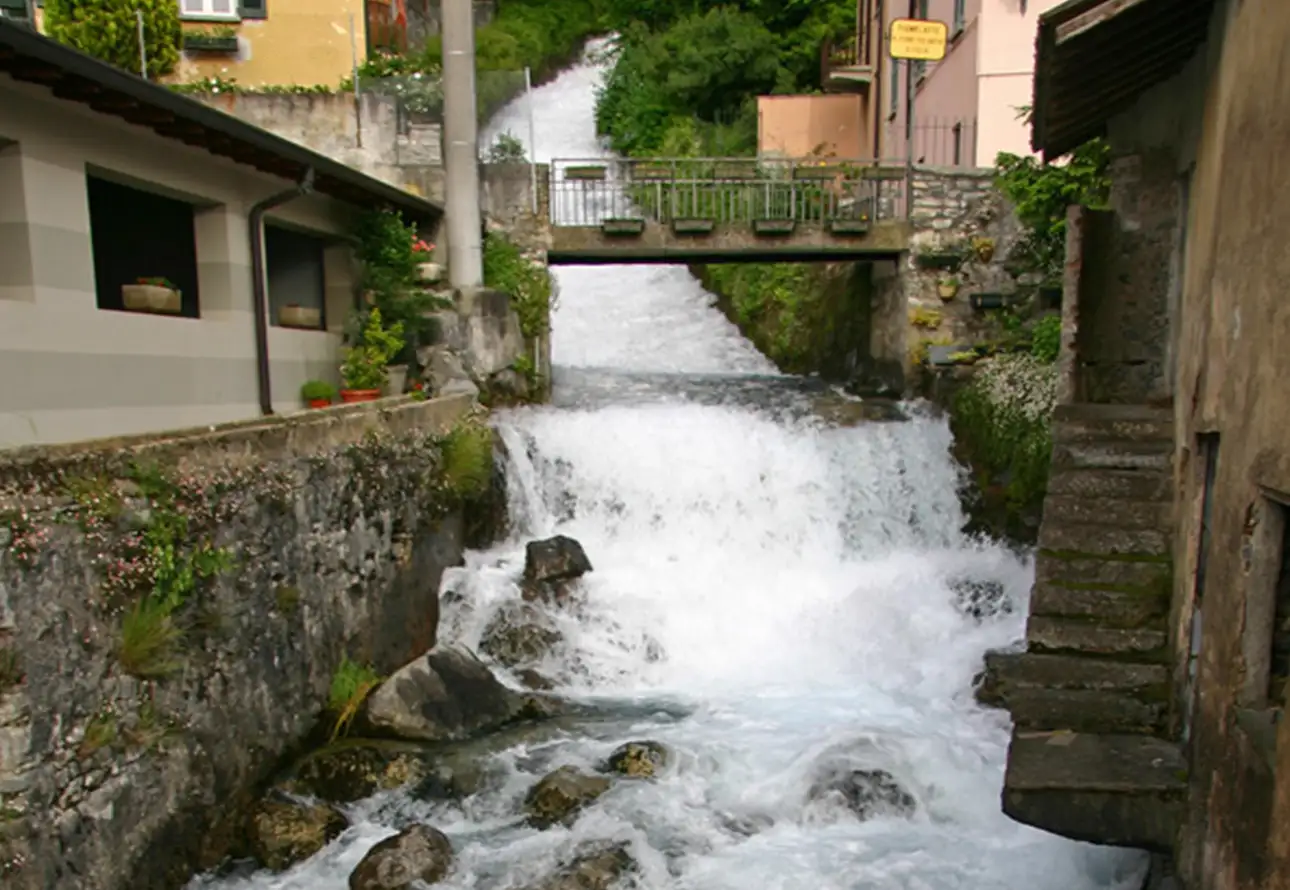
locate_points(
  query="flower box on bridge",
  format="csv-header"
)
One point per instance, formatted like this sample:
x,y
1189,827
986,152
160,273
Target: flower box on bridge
x,y
693,226
586,172
849,226
774,227
653,172
623,227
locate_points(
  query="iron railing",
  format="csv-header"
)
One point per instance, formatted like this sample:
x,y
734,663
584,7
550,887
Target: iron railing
x,y
724,190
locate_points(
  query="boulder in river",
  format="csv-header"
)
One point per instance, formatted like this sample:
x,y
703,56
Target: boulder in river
x,y
352,770
981,599
550,567
447,694
519,634
866,792
595,866
283,831
531,679
559,796
639,760
419,853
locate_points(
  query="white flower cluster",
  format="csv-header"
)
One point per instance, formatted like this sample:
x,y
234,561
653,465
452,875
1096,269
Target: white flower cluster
x,y
1020,383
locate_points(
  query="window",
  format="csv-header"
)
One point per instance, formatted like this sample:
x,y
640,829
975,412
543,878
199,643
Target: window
x,y
140,235
957,134
960,17
1279,669
293,264
253,9
208,9
14,9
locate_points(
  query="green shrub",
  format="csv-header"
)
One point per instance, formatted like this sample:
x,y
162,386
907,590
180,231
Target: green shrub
x,y
468,459
389,252
1046,339
317,389
527,282
108,30
365,362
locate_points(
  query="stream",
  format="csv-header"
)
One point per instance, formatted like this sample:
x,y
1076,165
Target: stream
x,y
767,587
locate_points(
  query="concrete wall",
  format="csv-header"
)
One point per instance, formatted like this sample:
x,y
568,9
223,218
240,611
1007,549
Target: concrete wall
x,y
301,42
330,559
88,372
1233,370
798,126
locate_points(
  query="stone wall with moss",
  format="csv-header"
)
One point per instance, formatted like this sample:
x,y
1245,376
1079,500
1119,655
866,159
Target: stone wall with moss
x,y
173,609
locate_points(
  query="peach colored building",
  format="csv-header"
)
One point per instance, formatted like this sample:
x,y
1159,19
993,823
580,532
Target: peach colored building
x,y
798,126
967,107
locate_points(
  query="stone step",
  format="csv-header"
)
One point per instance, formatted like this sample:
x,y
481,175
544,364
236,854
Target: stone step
x,y
1115,789
1131,423
1113,608
1061,568
1108,511
1045,634
1027,670
1129,485
1106,454
1096,539
1084,710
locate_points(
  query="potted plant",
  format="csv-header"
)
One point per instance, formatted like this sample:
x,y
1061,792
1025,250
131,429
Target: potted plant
x,y
152,294
948,287
317,393
364,367
983,248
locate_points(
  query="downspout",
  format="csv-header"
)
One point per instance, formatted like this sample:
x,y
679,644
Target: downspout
x,y
880,22
259,286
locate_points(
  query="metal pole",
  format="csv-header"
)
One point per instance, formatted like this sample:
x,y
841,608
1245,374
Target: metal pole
x,y
528,92
909,125
353,62
143,47
461,146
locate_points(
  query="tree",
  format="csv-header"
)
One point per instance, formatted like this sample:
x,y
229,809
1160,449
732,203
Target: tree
x,y
108,30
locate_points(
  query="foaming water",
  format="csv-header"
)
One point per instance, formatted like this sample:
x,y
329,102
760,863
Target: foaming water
x,y
770,593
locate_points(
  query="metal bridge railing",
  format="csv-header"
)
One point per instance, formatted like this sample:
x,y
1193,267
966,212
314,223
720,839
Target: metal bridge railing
x,y
724,190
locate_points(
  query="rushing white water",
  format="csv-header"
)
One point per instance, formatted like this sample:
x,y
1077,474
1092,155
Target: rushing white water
x,y
766,589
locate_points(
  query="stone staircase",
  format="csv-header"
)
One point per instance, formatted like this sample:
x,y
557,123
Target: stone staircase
x,y
1089,696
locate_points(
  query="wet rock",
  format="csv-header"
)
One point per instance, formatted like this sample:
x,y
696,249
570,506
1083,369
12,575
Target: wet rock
x,y
350,771
744,826
559,796
419,853
866,792
519,634
593,867
283,831
444,695
550,566
455,777
981,599
531,679
639,760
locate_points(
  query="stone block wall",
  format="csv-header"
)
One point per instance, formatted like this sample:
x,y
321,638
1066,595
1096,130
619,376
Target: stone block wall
x,y
332,528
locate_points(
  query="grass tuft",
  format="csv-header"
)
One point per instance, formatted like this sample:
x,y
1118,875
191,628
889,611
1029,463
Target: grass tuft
x,y
149,640
350,686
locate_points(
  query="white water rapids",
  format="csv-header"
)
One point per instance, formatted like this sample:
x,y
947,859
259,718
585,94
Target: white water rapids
x,y
794,577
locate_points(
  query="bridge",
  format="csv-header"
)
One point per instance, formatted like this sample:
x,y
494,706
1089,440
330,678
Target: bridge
x,y
715,210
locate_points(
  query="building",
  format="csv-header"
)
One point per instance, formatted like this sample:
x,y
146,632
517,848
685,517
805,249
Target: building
x,y
967,108
1165,726
106,179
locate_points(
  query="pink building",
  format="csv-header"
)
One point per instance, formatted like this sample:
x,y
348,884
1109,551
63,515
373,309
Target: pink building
x,y
967,107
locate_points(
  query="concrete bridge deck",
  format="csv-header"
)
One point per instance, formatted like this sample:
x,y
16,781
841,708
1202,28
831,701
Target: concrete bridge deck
x,y
713,210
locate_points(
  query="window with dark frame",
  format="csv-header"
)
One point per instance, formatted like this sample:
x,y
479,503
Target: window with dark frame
x,y
957,135
138,236
253,9
295,269
1279,663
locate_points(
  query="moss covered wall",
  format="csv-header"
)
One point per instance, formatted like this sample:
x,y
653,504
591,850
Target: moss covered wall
x,y
172,610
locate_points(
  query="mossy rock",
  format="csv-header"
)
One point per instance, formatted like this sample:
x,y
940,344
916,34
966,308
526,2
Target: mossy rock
x,y
639,760
353,769
414,857
519,634
595,866
559,796
283,832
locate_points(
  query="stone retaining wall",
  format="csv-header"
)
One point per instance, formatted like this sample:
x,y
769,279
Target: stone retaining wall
x,y
336,526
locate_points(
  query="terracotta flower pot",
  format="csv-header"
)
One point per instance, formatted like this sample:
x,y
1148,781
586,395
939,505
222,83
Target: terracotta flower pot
x,y
349,396
320,403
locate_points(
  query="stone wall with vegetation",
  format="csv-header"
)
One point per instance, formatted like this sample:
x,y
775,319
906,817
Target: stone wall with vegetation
x,y
173,611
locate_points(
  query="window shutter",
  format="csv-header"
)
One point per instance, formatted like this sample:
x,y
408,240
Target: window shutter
x,y
254,9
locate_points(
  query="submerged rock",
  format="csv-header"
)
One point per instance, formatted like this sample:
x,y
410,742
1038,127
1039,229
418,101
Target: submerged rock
x,y
593,867
283,832
639,760
866,792
550,567
559,796
445,695
981,599
519,634
419,853
352,770
531,679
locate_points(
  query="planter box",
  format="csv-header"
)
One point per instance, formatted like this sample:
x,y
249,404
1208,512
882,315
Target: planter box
x,y
945,259
151,298
693,226
430,273
774,226
883,174
585,172
623,227
653,172
300,317
736,171
849,226
822,172
204,43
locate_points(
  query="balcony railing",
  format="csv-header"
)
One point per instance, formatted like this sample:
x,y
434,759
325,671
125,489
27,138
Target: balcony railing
x,y
385,32
850,59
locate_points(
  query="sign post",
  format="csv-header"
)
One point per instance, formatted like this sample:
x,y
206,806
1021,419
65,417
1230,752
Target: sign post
x,y
914,40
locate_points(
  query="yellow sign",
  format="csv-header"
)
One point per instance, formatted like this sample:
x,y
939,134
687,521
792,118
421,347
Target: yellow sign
x,y
919,39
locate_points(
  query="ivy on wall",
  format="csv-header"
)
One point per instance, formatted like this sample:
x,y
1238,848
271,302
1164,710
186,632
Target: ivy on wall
x,y
109,30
